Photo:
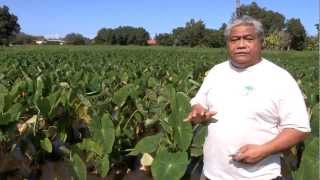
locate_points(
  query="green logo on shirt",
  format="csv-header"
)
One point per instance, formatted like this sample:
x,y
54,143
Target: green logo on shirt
x,y
248,90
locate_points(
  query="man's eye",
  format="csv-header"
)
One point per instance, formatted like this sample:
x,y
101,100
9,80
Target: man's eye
x,y
249,38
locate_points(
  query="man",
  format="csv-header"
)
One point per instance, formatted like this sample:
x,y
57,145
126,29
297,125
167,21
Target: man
x,y
259,108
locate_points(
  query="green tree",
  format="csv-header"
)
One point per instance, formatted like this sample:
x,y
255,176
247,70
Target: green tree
x,y
190,35
312,42
164,39
9,26
297,32
180,37
272,21
122,35
23,38
213,38
75,39
105,36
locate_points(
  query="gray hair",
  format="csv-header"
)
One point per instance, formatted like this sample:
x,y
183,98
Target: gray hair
x,y
247,21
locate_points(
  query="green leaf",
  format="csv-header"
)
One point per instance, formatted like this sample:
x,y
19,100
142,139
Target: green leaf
x,y
84,100
198,140
104,132
183,135
168,165
12,115
122,94
146,159
79,167
46,145
44,106
39,89
3,89
180,109
103,165
148,144
309,167
314,120
2,102
90,146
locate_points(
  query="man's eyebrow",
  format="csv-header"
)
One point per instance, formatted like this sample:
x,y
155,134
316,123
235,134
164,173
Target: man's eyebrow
x,y
245,35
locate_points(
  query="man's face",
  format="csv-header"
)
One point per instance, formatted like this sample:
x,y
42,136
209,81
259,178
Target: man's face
x,y
244,46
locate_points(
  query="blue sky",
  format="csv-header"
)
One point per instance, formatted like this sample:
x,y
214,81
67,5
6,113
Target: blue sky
x,y
56,18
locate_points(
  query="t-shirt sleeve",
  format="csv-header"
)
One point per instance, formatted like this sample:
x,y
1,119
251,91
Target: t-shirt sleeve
x,y
201,96
292,108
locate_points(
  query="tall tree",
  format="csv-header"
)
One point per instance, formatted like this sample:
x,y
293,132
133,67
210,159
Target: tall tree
x,y
75,39
122,35
190,35
272,21
164,39
23,38
9,26
297,33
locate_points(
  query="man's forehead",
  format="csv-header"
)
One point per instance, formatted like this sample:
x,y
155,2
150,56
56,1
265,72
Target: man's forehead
x,y
243,30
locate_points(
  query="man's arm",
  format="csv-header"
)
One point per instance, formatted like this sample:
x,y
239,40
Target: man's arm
x,y
252,153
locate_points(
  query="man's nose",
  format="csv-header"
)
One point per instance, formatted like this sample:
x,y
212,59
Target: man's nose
x,y
241,43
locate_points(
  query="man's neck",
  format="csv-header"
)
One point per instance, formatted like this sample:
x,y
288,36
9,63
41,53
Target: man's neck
x,y
244,66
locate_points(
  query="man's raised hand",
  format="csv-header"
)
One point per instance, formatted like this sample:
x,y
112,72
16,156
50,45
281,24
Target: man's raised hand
x,y
199,114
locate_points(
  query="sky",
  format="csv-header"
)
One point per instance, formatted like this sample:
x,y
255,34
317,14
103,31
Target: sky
x,y
56,18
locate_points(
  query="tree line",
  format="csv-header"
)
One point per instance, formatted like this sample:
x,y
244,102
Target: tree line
x,y
280,33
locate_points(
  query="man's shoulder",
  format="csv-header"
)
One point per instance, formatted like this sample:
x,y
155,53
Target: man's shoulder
x,y
221,66
277,72
277,69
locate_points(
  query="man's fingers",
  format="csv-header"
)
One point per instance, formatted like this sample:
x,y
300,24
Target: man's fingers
x,y
209,114
243,149
240,155
197,116
188,119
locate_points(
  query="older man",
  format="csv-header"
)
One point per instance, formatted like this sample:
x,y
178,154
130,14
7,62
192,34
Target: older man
x,y
259,107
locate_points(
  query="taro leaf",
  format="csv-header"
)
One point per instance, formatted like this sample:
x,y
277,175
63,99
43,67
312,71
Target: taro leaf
x,y
148,144
39,89
84,100
314,120
146,159
152,82
17,88
2,102
198,140
309,167
46,145
3,89
65,97
53,101
180,109
168,165
90,146
183,135
79,167
44,106
12,115
122,94
29,82
103,165
166,126
104,133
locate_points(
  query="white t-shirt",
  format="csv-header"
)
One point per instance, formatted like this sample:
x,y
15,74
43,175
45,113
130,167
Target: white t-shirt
x,y
253,105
